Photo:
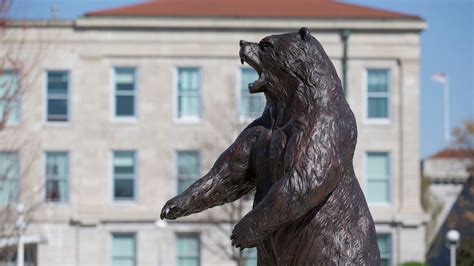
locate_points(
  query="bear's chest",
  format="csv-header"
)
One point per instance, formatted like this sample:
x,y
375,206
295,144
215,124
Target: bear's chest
x,y
268,159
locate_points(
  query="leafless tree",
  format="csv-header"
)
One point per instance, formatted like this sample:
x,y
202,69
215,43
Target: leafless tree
x,y
464,141
18,71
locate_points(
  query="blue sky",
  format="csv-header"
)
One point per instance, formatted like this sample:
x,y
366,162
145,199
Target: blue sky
x,y
446,46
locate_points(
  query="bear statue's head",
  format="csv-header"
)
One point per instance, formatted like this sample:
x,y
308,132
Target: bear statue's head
x,y
287,61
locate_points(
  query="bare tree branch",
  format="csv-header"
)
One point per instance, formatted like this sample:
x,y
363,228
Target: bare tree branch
x,y
18,71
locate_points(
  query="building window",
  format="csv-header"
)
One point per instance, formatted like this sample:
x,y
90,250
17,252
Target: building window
x,y
188,171
57,176
9,177
188,250
9,97
124,249
378,177
124,169
385,249
378,93
251,104
250,256
58,96
189,93
125,92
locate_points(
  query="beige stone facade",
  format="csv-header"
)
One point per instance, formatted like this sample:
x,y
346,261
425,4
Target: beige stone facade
x,y
78,232
446,176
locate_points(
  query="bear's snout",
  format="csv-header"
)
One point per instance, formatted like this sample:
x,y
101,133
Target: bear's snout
x,y
249,53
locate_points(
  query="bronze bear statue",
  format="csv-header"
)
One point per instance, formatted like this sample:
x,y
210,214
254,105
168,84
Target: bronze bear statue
x,y
309,208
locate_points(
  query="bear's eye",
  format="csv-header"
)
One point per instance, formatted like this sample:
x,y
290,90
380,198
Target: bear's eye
x,y
264,44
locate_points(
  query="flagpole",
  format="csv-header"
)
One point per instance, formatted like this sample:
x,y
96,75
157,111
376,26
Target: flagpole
x,y
446,111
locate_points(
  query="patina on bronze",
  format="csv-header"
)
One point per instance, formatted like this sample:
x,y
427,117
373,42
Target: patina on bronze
x,y
309,208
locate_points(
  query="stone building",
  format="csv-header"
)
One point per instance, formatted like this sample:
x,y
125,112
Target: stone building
x,y
129,105
446,172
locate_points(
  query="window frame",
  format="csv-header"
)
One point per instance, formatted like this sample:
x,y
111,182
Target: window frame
x,y
389,178
68,100
16,179
187,120
68,177
176,156
134,199
17,100
366,94
135,237
199,241
239,89
113,108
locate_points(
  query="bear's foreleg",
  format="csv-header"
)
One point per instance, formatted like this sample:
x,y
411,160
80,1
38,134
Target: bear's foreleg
x,y
227,181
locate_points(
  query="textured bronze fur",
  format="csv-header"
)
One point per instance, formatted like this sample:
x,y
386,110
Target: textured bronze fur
x,y
309,208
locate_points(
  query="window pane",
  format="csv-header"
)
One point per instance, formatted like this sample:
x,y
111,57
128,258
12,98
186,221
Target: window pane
x,y
188,106
58,82
377,80
188,246
378,107
251,105
124,87
249,75
250,256
9,101
9,177
57,175
125,78
124,162
377,191
125,106
57,107
56,165
188,79
189,92
8,190
385,249
123,245
124,91
13,109
124,189
123,249
9,83
57,190
9,166
378,174
188,164
382,241
58,88
188,250
377,165
124,174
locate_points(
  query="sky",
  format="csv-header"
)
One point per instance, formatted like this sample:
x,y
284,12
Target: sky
x,y
447,45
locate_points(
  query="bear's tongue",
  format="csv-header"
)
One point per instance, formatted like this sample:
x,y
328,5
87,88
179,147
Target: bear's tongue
x,y
258,85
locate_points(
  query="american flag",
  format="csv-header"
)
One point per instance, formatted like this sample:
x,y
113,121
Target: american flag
x,y
439,77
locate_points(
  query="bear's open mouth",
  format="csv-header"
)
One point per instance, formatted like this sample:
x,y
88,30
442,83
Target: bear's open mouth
x,y
253,60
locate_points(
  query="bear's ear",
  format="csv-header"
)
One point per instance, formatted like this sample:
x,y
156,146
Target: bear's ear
x,y
304,33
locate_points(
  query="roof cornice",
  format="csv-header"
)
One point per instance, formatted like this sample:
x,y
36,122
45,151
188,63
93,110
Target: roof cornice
x,y
248,23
